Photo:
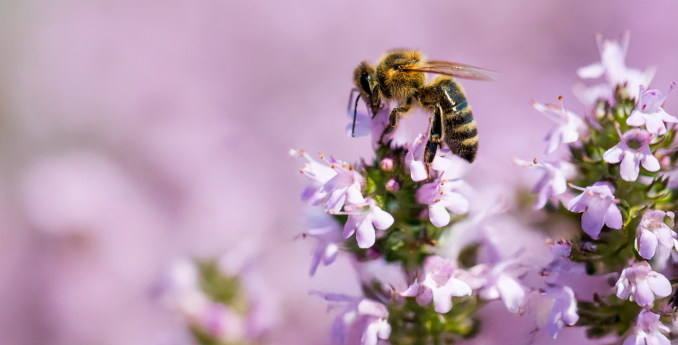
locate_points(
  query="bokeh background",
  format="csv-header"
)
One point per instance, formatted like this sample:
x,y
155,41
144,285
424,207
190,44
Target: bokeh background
x,y
136,133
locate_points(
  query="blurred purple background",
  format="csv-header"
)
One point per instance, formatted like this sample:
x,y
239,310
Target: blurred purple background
x,y
135,133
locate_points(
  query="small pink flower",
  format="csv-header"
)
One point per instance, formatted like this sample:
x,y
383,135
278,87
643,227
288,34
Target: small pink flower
x,y
501,281
632,150
440,196
648,330
653,236
613,67
649,111
598,204
438,282
362,219
318,173
415,159
564,310
553,182
567,127
641,284
344,187
369,315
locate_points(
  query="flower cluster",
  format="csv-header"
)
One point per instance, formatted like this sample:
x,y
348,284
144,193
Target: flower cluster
x,y
627,220
399,211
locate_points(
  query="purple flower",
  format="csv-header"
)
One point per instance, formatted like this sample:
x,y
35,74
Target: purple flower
x,y
415,159
344,187
319,175
653,236
564,310
561,251
441,195
612,65
438,283
553,182
363,218
369,315
598,204
326,248
632,150
648,329
567,127
641,284
649,111
501,281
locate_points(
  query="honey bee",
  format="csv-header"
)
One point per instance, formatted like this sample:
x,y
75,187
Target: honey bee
x,y
400,76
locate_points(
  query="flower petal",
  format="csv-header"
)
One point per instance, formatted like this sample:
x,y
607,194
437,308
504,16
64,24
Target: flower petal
x,y
425,297
438,214
578,203
659,284
636,119
649,161
418,171
646,244
630,166
654,124
593,219
643,295
613,155
592,71
613,217
512,293
381,219
442,298
365,234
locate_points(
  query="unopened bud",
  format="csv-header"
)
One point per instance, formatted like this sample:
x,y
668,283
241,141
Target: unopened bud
x,y
665,162
392,185
387,164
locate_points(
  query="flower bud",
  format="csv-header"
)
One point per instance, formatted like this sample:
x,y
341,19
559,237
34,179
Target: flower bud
x,y
665,162
392,185
387,164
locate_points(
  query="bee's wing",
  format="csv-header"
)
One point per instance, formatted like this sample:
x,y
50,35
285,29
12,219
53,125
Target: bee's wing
x,y
453,69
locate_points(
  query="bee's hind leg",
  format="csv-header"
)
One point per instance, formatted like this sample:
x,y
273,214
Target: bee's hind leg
x,y
436,136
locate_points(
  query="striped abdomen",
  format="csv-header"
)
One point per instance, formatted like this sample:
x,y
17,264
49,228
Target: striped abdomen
x,y
461,133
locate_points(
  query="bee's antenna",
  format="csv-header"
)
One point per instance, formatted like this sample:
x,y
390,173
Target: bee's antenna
x,y
355,113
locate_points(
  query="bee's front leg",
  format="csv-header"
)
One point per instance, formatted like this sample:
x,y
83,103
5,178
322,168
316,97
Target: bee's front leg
x,y
395,116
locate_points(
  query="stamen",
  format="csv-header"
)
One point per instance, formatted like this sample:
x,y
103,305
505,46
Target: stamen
x,y
301,170
321,155
442,192
589,192
616,126
569,184
535,161
437,200
602,197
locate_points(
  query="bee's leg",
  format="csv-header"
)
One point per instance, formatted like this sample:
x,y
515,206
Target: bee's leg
x,y
375,106
429,155
395,115
355,114
436,137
